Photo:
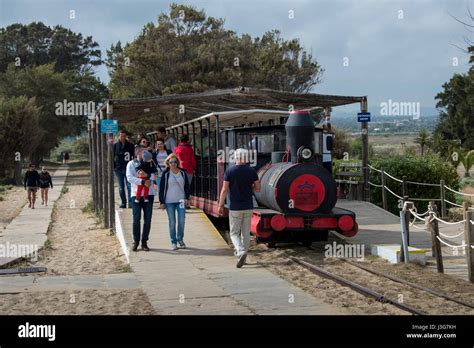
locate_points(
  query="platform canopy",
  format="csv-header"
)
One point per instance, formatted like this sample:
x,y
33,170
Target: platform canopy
x,y
172,109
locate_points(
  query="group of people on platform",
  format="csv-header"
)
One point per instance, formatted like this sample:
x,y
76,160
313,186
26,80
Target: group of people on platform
x,y
166,169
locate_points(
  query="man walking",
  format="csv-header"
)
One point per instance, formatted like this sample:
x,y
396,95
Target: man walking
x,y
170,142
239,181
31,183
142,157
123,153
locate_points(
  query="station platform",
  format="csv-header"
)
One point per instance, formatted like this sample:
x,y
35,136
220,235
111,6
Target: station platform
x,y
203,278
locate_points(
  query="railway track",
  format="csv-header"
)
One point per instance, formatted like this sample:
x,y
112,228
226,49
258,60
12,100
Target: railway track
x,y
372,293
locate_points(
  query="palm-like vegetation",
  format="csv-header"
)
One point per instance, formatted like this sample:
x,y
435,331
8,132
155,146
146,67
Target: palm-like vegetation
x,y
467,161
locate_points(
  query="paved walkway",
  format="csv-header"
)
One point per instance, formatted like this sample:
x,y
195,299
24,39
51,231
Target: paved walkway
x,y
203,279
378,226
27,232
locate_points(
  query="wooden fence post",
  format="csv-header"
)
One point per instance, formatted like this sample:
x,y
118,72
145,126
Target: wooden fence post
x,y
469,240
105,172
384,192
443,202
435,243
110,172
90,129
98,162
404,186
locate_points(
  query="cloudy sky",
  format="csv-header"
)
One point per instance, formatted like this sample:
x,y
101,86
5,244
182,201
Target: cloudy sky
x,y
396,49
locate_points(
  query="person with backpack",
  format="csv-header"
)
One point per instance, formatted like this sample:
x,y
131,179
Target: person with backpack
x,y
174,195
45,182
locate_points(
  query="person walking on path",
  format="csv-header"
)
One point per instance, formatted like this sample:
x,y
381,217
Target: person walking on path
x,y
45,182
31,183
239,182
123,153
185,153
174,195
66,157
137,208
170,141
159,157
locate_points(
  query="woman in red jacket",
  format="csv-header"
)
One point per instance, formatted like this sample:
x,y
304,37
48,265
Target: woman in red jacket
x,y
185,153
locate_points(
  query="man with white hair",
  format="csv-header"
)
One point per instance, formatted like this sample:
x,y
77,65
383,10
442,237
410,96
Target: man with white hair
x,y
240,181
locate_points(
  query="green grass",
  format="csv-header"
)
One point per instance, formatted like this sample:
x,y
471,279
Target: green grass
x,y
88,208
65,189
48,245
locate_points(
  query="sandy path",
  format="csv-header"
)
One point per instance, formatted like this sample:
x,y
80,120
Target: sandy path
x,y
13,201
78,246
86,302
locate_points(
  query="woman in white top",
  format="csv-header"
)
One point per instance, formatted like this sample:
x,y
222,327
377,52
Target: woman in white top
x,y
159,157
174,195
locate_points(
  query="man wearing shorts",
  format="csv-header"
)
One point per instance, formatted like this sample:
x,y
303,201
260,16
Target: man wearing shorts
x,y
31,183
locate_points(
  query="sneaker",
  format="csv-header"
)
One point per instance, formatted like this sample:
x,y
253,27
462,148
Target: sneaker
x,y
146,200
241,261
122,206
135,246
181,244
42,203
174,247
145,246
137,201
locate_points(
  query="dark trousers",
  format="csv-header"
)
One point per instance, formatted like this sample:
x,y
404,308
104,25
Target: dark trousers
x,y
137,208
122,182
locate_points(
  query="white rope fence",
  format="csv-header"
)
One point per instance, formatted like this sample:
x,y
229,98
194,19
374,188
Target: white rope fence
x,y
454,246
393,193
459,193
449,223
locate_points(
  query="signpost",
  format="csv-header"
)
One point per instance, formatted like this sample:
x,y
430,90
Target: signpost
x,y
363,117
109,126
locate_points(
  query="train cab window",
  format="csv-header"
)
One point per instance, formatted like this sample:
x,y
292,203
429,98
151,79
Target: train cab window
x,y
263,143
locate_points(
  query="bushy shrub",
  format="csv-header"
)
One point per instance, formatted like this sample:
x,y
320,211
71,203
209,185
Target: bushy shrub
x,y
81,146
427,169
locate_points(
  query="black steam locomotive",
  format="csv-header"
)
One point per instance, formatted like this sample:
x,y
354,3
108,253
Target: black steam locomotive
x,y
298,194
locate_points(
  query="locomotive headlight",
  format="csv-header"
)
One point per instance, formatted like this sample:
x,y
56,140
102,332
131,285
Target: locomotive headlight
x,y
305,153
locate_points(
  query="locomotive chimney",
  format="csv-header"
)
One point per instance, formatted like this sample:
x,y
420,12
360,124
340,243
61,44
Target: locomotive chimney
x,y
300,136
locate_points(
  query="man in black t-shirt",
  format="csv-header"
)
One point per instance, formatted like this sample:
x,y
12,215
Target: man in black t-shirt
x,y
239,181
123,153
31,183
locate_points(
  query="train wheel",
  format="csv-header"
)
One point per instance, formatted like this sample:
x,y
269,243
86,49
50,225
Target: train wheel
x,y
271,245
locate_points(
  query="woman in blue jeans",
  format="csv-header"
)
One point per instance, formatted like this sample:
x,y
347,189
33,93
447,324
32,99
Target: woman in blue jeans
x,y
174,195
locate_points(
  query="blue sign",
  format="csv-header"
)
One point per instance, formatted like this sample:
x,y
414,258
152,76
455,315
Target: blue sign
x,y
363,117
108,126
